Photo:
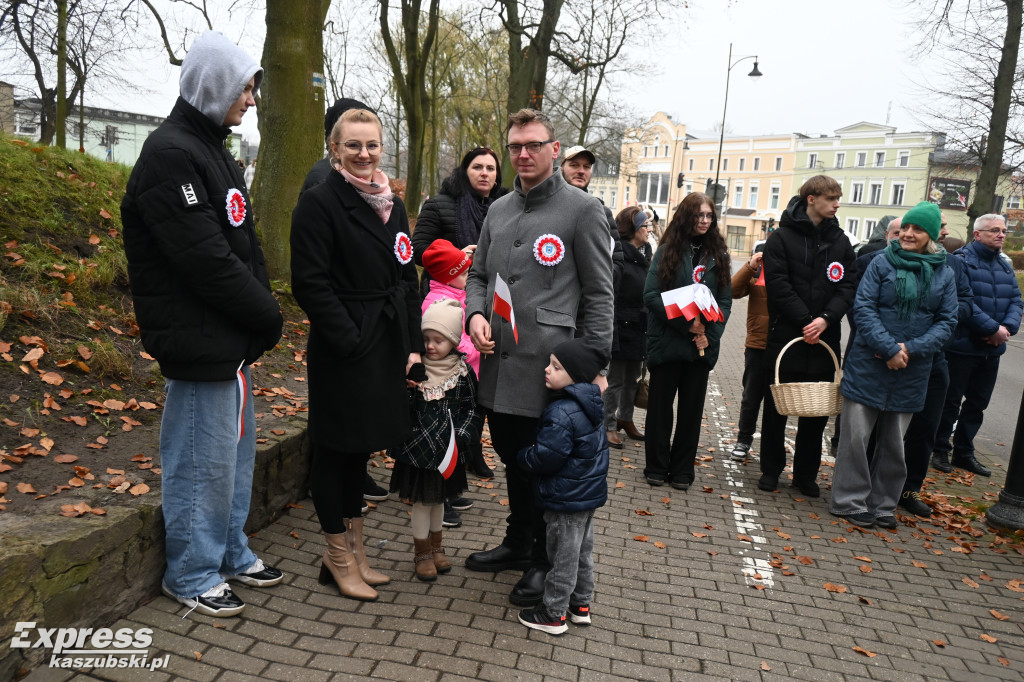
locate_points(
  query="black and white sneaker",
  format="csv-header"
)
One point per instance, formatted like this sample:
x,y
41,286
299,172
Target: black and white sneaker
x,y
218,601
579,615
538,619
451,518
258,575
461,503
740,452
372,491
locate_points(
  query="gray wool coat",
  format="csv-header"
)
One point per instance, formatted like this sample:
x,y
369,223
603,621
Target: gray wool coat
x,y
546,298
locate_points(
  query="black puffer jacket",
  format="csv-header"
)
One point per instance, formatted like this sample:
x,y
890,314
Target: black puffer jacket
x,y
202,295
630,311
798,260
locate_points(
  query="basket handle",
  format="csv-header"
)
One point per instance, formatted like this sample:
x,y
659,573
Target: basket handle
x,y
778,361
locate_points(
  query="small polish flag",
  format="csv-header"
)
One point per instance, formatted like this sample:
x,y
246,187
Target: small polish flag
x,y
451,455
503,304
679,303
243,393
760,277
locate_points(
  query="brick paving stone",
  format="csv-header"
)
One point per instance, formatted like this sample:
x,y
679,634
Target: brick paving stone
x,y
216,657
636,671
497,673
224,638
389,670
486,654
262,632
545,666
448,665
325,645
341,664
289,673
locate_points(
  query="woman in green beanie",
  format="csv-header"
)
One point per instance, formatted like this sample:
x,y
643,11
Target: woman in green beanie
x,y
905,311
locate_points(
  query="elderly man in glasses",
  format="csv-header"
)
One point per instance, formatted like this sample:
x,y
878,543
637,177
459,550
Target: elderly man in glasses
x,y
549,243
973,354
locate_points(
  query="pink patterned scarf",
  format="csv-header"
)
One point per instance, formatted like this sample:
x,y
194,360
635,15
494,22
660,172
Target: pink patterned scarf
x,y
376,192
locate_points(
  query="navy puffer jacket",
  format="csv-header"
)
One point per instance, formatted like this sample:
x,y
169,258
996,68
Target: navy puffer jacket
x,y
570,458
997,301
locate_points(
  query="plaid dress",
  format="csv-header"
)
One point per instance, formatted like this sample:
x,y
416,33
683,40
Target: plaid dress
x,y
416,476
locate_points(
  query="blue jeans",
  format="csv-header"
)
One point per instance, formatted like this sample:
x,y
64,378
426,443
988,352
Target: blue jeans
x,y
571,553
971,379
207,482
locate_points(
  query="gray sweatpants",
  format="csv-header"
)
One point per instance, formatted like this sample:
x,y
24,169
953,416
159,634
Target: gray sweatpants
x,y
571,553
856,485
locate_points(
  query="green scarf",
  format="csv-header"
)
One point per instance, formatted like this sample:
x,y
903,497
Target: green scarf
x,y
913,276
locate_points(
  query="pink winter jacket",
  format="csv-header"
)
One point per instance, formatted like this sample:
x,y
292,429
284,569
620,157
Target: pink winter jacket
x,y
439,291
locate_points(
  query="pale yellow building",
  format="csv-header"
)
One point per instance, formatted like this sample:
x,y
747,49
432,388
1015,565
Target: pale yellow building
x,y
650,164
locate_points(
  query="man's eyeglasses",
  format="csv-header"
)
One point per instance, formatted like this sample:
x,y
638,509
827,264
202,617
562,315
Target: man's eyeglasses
x,y
531,147
994,230
356,147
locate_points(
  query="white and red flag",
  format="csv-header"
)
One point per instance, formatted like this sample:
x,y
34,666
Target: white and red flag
x,y
451,455
691,301
503,304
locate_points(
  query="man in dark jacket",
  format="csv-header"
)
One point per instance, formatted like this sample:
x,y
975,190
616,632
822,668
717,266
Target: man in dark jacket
x,y
577,169
204,307
973,354
809,282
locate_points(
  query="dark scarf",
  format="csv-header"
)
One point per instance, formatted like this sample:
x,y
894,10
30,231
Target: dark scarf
x,y
470,218
913,276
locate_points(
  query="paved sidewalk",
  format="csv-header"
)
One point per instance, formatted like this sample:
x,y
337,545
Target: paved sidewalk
x,y
721,582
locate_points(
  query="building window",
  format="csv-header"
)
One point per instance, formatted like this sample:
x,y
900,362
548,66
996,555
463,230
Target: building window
x,y
743,163
757,163
857,193
875,195
879,159
613,195
840,159
775,196
1013,203
852,226
869,227
898,189
725,164
862,159
691,165
752,202
600,195
711,164
737,197
625,196
778,163
653,188
665,151
904,159
689,188
812,160
736,237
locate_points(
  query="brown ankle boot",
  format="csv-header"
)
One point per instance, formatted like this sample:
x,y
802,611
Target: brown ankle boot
x,y
355,540
441,563
424,558
340,565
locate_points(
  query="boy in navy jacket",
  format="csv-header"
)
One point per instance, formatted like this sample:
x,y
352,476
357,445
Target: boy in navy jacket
x,y
569,464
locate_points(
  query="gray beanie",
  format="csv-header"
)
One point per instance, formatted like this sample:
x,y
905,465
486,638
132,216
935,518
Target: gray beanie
x,y
214,73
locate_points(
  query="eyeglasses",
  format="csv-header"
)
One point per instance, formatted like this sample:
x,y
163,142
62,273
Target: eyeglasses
x,y
994,230
531,147
354,147
705,216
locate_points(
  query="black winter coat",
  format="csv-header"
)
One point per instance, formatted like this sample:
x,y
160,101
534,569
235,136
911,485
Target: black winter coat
x,y
570,458
798,261
364,315
630,311
196,270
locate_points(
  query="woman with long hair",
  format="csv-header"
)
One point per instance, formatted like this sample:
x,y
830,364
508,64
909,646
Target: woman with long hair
x,y
634,226
681,353
353,275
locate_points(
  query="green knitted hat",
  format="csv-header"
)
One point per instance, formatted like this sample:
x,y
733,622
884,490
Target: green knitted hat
x,y
927,216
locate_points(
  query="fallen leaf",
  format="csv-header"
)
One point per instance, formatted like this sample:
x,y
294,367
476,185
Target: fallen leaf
x,y
765,666
29,432
988,638
865,569
666,500
52,378
643,512
998,616
919,564
862,558
33,355
198,655
832,587
970,583
47,443
76,482
814,516
864,652
140,489
939,643
277,432
1004,661
864,600
141,458
805,560
503,503
65,459
698,535
744,538
105,214
26,488
620,484
660,545
3,487
641,538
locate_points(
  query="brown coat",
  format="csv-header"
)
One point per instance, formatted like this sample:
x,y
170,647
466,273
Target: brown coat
x,y
744,282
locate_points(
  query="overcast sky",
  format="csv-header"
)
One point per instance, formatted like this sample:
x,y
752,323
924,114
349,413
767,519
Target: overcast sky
x,y
826,64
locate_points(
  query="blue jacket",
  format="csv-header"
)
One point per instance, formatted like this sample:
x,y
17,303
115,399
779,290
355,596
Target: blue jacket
x,y
866,378
997,301
570,456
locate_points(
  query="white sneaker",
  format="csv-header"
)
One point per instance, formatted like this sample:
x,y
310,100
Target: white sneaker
x,y
258,575
218,601
740,452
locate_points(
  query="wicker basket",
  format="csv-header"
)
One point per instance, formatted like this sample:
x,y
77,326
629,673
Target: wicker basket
x,y
807,398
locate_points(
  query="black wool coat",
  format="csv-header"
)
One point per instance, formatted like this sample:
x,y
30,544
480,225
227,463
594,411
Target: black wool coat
x,y
364,315
630,311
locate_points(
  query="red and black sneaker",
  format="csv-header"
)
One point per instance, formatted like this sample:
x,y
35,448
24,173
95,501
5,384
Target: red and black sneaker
x,y
538,619
579,615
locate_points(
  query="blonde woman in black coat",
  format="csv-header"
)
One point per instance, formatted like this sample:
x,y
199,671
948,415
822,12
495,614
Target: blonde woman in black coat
x,y
353,274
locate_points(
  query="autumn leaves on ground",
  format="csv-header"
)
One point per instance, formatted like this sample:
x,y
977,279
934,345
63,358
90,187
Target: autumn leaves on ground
x,y
80,399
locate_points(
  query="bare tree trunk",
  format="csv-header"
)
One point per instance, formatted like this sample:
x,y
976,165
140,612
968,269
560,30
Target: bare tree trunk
x,y
62,73
992,161
291,114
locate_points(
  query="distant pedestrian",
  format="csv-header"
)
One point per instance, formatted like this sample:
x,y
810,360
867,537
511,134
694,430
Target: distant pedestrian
x,y
977,345
250,173
809,281
682,353
428,467
206,313
905,310
749,280
569,467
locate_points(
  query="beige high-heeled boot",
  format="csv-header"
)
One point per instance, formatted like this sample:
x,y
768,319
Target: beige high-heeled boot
x,y
355,540
441,563
339,564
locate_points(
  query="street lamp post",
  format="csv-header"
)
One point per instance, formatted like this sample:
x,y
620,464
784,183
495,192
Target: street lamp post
x,y
754,74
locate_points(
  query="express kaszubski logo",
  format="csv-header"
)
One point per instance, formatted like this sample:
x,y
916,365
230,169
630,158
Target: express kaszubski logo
x,y
89,647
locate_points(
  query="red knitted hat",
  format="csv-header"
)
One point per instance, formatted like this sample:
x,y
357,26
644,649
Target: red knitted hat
x,y
444,262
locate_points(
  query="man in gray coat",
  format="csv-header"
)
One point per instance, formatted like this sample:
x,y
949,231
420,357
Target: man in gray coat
x,y
549,243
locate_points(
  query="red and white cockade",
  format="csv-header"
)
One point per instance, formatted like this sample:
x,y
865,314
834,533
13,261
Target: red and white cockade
x,y
403,248
235,207
835,271
698,273
549,249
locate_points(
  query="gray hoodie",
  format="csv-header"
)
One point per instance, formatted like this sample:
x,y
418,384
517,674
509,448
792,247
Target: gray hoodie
x,y
214,73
